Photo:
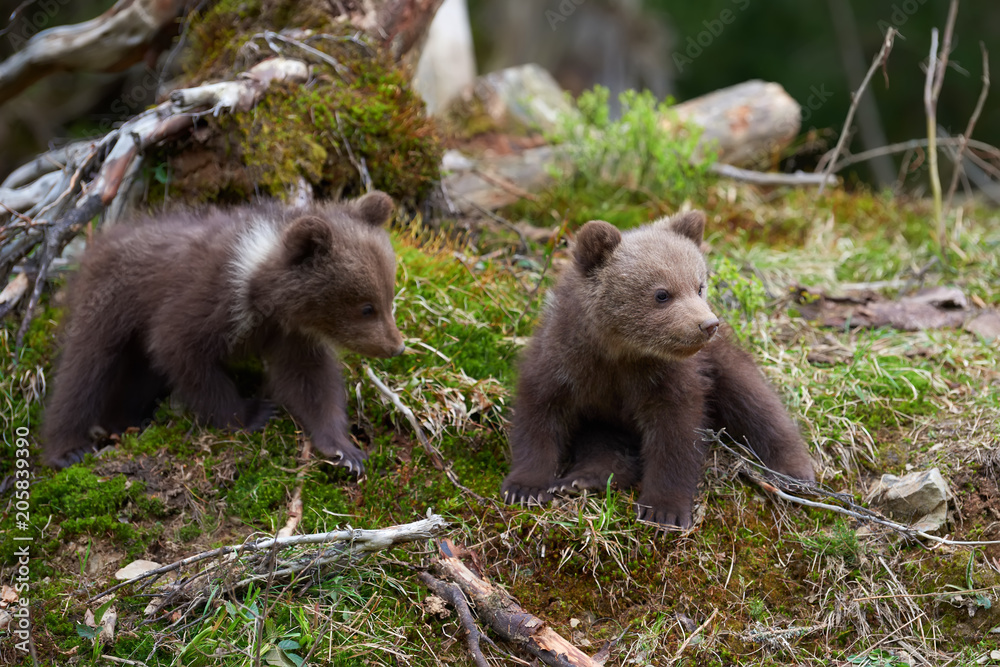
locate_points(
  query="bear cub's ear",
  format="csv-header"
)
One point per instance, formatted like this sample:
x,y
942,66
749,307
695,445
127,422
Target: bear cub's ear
x,y
307,238
690,224
374,208
595,242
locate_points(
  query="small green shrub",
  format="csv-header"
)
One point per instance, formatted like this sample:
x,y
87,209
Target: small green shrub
x,y
647,150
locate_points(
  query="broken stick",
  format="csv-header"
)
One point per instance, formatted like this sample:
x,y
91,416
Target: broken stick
x,y
506,617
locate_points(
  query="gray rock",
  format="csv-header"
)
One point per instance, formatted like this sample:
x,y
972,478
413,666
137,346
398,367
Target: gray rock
x,y
516,100
919,498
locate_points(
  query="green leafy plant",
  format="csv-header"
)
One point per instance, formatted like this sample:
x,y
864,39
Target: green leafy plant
x,y
646,150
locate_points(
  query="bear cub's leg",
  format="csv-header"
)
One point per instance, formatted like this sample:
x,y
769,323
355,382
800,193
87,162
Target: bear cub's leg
x,y
305,378
746,405
204,387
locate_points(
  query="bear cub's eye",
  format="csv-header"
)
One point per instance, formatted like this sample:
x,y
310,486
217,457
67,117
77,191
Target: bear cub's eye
x,y
367,310
701,290
662,295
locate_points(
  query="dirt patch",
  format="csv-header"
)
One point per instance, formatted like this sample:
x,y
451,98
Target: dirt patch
x,y
977,498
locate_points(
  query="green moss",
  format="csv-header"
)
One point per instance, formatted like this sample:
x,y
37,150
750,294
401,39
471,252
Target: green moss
x,y
80,502
360,115
326,131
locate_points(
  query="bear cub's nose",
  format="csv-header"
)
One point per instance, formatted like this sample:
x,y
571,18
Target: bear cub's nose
x,y
709,327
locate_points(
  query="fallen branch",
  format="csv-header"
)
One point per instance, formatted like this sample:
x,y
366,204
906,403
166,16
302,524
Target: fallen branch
x,y
690,637
506,617
347,546
769,178
771,481
879,60
453,594
111,42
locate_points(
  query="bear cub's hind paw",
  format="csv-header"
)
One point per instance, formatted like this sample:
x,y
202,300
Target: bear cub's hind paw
x,y
70,458
577,484
259,412
666,518
523,494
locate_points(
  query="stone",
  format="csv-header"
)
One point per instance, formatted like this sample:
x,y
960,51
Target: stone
x,y
919,498
516,100
135,568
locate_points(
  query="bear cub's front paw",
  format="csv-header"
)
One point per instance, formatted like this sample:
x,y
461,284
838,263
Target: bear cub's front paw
x,y
518,493
344,454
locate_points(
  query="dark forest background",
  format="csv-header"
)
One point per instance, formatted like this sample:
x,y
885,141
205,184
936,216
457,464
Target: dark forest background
x,y
817,50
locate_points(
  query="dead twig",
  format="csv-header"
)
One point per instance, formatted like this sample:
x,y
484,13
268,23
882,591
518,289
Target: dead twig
x,y
912,144
697,631
770,480
437,459
799,178
879,60
506,617
295,504
964,139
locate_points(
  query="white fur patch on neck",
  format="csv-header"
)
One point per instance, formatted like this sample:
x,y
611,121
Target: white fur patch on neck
x,y
254,246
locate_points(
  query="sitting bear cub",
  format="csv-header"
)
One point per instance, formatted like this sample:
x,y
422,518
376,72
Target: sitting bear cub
x,y
624,368
165,304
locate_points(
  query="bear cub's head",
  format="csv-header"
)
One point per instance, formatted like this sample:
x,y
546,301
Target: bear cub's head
x,y
332,275
645,289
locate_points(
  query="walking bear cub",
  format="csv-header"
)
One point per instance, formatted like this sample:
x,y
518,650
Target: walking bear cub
x,y
165,304
626,365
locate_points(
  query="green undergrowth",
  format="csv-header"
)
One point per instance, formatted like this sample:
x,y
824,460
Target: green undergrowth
x,y
625,170
759,581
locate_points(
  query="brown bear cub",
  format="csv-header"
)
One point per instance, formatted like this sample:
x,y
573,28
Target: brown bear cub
x,y
165,304
624,368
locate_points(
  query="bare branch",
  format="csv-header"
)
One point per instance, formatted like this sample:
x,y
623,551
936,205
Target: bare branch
x,y
506,617
964,139
453,594
883,54
770,480
930,110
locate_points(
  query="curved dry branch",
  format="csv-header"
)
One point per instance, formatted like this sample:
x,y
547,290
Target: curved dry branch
x,y
48,200
111,42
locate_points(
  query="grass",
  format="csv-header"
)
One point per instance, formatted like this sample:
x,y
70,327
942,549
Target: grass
x,y
786,584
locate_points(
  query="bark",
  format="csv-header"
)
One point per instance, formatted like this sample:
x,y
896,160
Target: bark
x,y
506,617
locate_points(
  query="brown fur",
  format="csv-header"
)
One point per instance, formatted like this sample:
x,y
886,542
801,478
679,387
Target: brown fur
x,y
624,368
164,305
